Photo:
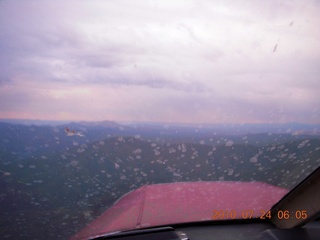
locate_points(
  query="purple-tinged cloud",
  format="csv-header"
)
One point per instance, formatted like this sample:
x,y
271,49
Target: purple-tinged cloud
x,y
183,61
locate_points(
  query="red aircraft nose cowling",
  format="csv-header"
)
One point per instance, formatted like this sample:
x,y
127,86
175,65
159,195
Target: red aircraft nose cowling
x,y
169,203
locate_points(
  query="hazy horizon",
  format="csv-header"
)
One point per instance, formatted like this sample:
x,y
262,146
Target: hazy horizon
x,y
61,122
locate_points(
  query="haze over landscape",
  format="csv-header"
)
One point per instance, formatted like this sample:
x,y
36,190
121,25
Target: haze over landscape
x,y
53,182
155,61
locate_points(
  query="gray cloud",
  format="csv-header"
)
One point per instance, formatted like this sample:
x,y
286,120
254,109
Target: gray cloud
x,y
214,61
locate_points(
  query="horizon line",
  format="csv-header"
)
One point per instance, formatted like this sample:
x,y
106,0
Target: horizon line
x,y
35,121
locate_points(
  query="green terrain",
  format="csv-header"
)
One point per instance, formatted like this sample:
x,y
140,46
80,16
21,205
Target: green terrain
x,y
53,184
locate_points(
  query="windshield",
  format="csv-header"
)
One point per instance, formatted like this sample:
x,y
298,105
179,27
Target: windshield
x,y
102,98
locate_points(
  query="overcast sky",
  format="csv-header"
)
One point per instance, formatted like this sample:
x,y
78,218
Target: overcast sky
x,y
184,61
